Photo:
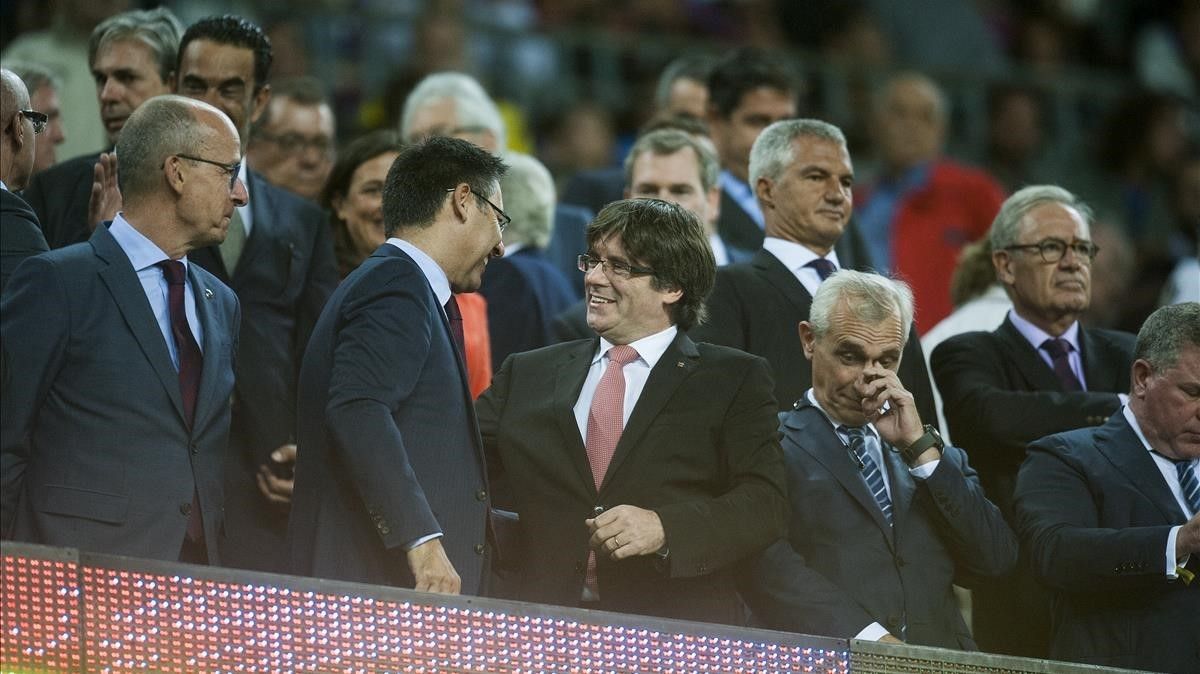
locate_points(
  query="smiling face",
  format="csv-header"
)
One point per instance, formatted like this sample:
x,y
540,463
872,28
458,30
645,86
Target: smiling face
x,y
1167,404
840,356
126,74
811,202
222,75
477,240
1047,293
624,310
361,208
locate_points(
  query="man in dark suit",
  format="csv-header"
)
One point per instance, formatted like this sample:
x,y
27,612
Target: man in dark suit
x,y
1111,514
116,403
802,172
747,91
885,517
279,260
642,466
390,482
20,235
1039,373
132,57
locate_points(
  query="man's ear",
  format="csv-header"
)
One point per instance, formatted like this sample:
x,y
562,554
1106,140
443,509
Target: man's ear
x,y
173,175
764,190
1002,263
808,339
458,201
1139,378
262,98
714,203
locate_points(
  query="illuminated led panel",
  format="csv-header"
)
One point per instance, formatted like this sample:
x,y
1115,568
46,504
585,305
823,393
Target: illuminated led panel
x,y
41,616
138,621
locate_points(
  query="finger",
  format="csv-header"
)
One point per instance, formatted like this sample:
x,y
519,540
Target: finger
x,y
270,492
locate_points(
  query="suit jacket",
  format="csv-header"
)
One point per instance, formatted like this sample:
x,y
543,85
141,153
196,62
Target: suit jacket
x,y
389,449
1094,512
283,278
96,450
699,449
60,195
757,307
524,294
842,567
20,235
990,379
736,226
568,241
594,189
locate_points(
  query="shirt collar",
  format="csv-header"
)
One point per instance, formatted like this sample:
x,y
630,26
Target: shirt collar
x,y
433,273
141,251
812,398
650,349
1036,336
4,187
1137,428
795,256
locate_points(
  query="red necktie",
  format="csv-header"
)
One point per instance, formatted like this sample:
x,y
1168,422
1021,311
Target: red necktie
x,y
606,420
456,326
190,364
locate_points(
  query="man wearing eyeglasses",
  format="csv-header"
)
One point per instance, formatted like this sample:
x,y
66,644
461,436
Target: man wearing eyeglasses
x,y
642,465
119,353
1039,373
20,234
292,143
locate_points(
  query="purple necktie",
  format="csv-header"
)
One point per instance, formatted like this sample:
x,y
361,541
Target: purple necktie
x,y
456,326
824,267
1060,350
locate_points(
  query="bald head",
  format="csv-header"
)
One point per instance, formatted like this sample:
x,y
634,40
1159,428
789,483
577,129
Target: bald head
x,y
16,159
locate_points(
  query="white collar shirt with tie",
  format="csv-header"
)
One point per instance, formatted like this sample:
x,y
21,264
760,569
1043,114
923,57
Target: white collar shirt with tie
x,y
1171,477
796,257
650,350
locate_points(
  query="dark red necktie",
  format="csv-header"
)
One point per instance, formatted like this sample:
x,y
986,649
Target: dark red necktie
x,y
456,326
824,267
190,364
1060,354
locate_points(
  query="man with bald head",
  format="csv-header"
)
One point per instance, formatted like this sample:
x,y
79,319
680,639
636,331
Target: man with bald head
x,y
115,406
20,233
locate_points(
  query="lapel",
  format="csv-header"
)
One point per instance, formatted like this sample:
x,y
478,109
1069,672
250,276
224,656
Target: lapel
x,y
677,363
1121,446
262,211
1037,374
779,276
1101,365
570,372
807,428
214,330
122,283
901,482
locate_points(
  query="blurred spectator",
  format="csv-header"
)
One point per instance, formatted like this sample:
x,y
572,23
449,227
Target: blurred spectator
x,y
964,42
43,87
1167,52
292,143
1112,276
923,207
683,87
354,196
1184,282
1016,137
582,138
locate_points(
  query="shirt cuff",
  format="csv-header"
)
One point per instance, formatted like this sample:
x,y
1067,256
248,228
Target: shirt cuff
x,y
422,540
872,632
1172,562
923,471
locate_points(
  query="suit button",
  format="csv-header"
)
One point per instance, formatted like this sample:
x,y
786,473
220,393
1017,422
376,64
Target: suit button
x,y
383,529
702,568
893,622
580,567
194,449
481,495
899,560
185,508
479,548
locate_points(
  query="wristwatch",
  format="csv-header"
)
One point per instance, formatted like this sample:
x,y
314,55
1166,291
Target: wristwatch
x,y
931,439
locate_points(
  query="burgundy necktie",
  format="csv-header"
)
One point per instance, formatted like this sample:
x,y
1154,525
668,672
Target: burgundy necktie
x,y
190,365
1060,350
606,420
824,267
456,326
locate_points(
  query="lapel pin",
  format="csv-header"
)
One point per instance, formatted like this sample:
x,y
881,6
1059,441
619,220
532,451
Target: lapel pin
x,y
208,293
679,363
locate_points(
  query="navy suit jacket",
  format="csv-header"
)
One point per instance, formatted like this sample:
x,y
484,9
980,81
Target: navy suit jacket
x,y
1094,512
524,294
20,235
389,448
96,450
842,567
736,226
60,195
568,241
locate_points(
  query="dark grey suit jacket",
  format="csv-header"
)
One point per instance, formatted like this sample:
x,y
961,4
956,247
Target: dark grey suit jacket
x,y
842,567
1094,512
20,235
389,448
96,452
60,195
736,226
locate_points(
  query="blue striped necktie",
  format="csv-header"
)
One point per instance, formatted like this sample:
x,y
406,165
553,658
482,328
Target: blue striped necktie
x,y
870,470
1189,484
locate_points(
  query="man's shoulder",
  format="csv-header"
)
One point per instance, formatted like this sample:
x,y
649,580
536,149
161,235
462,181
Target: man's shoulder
x,y
716,354
66,172
279,203
1114,339
13,205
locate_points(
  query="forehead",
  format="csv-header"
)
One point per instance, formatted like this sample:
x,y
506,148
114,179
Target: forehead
x,y
128,54
912,94
822,153
847,329
213,61
436,115
1052,220
287,113
681,165
610,246
768,101
375,168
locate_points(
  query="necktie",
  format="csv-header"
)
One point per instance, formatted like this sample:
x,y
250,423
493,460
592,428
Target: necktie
x,y
606,420
456,326
190,364
234,243
1060,350
1189,483
824,267
870,469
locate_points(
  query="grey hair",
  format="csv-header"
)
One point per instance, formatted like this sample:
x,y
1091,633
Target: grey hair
x,y
35,76
159,29
1006,227
1166,332
529,198
160,127
774,151
670,141
474,106
869,297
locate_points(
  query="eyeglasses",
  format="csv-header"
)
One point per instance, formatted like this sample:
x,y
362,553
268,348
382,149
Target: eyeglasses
x,y
1053,250
502,219
587,263
39,119
294,143
232,169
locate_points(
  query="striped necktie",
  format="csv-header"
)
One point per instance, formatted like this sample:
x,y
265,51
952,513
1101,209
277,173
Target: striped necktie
x,y
1189,483
870,470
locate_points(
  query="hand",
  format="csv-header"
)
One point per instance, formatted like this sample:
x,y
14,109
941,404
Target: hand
x,y
1187,541
900,424
432,569
106,195
889,639
275,487
626,531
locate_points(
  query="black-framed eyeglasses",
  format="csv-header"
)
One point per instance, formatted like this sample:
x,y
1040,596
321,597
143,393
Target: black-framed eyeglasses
x,y
294,143
39,119
1053,250
502,219
587,262
232,169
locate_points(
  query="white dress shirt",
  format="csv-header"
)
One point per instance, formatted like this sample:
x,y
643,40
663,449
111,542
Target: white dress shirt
x,y
796,257
1171,477
650,350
